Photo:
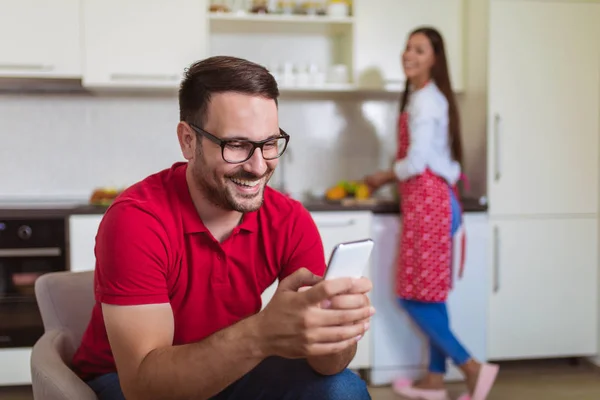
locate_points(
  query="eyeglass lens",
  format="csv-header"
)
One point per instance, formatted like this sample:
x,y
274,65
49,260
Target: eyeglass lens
x,y
240,151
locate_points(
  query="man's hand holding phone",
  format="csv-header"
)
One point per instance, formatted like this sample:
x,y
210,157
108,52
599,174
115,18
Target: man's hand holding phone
x,y
351,260
297,324
355,298
312,316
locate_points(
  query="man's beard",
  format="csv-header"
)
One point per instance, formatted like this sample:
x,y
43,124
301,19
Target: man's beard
x,y
223,195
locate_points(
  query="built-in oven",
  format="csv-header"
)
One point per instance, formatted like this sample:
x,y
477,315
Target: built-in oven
x,y
29,248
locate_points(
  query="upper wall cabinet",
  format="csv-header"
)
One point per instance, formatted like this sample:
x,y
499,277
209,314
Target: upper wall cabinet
x,y
141,43
381,31
40,39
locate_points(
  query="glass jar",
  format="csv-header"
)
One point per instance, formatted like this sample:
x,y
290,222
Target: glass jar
x,y
338,8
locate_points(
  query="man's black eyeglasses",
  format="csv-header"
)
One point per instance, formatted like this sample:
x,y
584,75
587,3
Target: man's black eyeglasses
x,y
236,151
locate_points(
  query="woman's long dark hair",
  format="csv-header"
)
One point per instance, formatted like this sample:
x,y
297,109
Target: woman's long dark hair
x,y
441,77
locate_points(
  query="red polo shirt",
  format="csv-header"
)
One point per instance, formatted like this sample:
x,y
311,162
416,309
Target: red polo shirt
x,y
152,247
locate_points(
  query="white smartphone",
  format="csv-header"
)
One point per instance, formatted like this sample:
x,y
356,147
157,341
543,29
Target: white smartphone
x,y
349,259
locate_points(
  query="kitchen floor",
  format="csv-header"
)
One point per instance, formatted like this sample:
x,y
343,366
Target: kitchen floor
x,y
548,380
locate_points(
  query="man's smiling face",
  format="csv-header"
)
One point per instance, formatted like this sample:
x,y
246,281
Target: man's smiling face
x,y
236,187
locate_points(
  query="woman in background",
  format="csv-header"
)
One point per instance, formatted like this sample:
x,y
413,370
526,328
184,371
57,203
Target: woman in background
x,y
427,168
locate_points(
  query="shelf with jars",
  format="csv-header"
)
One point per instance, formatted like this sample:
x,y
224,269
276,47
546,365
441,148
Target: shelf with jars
x,y
307,45
308,11
281,17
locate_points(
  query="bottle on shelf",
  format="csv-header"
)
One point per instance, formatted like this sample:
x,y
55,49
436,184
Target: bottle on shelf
x,y
338,8
287,7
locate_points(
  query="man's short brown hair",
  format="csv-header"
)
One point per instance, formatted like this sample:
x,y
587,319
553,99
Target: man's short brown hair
x,y
221,74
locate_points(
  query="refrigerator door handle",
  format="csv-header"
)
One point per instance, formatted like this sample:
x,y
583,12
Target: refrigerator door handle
x,y
496,259
497,153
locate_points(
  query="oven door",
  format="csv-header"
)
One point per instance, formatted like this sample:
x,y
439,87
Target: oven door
x,y
20,321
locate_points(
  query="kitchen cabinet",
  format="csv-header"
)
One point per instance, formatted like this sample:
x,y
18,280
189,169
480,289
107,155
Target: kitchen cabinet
x,y
337,227
40,39
146,45
15,366
388,24
142,44
82,240
543,156
398,347
543,129
544,288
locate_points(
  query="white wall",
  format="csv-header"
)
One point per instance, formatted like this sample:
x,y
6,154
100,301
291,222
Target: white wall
x,y
66,145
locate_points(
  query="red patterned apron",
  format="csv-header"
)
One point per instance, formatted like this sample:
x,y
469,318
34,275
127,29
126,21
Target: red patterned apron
x,y
425,260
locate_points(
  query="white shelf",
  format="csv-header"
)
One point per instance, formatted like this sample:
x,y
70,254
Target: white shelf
x,y
348,88
304,19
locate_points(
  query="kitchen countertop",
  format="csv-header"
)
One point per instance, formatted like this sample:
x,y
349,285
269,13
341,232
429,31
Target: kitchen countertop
x,y
63,211
383,206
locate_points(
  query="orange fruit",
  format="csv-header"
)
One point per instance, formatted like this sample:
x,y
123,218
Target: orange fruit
x,y
335,193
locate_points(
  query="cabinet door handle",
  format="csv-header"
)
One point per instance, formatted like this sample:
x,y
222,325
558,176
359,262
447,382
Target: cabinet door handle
x,y
336,224
496,259
497,155
26,67
143,77
31,252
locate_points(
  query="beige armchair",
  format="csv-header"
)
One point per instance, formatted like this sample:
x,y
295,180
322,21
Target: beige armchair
x,y
65,300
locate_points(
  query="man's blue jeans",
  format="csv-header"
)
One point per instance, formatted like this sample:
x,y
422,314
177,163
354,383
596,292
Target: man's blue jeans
x,y
274,379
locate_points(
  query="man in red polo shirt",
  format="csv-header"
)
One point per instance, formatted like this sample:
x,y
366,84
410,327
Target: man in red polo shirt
x,y
183,256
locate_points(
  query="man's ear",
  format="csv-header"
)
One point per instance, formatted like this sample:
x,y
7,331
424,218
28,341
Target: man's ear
x,y
187,140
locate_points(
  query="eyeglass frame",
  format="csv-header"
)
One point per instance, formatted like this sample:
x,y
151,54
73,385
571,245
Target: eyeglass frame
x,y
255,145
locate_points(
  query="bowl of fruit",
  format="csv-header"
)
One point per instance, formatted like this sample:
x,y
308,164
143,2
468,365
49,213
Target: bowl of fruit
x,y
349,193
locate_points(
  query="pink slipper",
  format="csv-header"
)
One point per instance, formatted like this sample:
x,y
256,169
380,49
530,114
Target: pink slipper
x,y
485,381
404,388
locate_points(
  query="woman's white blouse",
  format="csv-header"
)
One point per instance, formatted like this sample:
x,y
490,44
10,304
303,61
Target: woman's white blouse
x,y
429,137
